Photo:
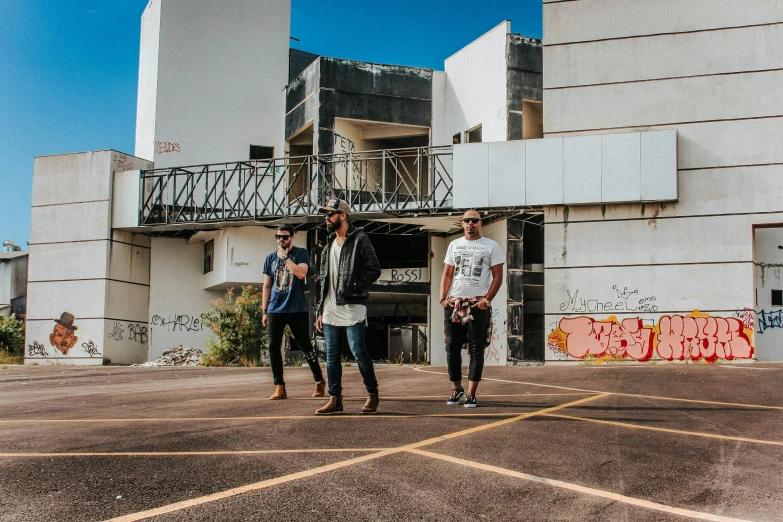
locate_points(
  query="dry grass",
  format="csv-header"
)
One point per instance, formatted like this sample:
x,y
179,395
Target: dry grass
x,y
7,358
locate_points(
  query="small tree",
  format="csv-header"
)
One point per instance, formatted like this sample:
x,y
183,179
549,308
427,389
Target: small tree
x,y
236,322
12,335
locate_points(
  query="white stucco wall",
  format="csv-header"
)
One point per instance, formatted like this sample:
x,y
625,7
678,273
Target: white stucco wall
x,y
218,80
13,281
177,296
476,90
714,78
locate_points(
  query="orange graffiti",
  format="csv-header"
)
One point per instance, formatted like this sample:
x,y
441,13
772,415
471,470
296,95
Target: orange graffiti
x,y
627,339
702,337
696,336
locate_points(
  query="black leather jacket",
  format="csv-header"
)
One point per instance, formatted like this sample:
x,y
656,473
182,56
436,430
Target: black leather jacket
x,y
359,268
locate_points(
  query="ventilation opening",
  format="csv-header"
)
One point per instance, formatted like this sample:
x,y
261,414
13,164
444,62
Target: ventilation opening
x,y
259,152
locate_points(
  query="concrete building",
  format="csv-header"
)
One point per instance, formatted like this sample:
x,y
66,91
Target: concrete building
x,y
13,280
616,165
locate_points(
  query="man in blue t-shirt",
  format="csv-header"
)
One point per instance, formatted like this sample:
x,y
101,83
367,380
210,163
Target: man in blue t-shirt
x,y
284,305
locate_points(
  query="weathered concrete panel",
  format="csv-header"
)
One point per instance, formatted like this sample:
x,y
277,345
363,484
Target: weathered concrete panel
x,y
650,241
298,61
71,222
129,263
662,102
666,56
373,78
81,298
375,107
61,261
72,178
594,291
601,19
127,301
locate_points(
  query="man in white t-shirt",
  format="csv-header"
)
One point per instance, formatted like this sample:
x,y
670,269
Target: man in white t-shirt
x,y
472,276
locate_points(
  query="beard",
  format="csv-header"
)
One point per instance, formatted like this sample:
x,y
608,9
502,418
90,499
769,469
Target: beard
x,y
331,227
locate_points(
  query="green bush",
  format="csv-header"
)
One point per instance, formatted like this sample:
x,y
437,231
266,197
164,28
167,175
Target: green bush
x,y
236,322
12,335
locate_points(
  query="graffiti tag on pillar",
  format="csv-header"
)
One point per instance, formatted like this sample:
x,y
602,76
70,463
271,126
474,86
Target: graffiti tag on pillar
x,y
137,333
164,147
116,331
179,323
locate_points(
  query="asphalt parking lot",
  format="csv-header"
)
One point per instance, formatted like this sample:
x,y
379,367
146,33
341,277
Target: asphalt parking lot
x,y
660,442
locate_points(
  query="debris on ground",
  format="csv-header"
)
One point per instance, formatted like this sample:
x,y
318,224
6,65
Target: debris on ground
x,y
179,356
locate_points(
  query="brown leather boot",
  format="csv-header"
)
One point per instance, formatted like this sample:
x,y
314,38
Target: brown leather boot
x,y
335,405
279,393
372,403
320,389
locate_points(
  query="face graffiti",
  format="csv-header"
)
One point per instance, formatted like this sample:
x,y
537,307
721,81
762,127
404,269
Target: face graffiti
x,y
63,337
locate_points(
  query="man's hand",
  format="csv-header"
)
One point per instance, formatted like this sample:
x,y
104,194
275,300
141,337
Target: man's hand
x,y
263,320
319,323
481,305
445,303
282,251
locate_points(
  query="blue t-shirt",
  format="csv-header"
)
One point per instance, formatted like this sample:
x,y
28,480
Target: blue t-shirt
x,y
287,290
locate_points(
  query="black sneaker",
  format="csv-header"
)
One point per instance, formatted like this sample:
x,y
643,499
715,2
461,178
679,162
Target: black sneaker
x,y
456,395
470,402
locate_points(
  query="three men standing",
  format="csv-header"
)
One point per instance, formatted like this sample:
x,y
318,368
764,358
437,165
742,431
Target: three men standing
x,y
472,276
348,267
283,302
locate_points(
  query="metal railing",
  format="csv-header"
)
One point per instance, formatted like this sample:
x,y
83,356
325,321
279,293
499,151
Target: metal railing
x,y
381,181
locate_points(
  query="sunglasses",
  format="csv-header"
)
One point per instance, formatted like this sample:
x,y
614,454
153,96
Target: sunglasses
x,y
332,213
471,220
286,236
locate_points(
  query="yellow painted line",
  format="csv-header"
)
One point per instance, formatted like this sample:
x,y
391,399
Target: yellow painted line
x,y
141,515
190,453
502,422
654,397
269,417
579,489
383,397
666,430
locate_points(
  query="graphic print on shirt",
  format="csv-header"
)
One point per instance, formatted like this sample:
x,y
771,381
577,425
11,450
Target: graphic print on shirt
x,y
468,265
284,278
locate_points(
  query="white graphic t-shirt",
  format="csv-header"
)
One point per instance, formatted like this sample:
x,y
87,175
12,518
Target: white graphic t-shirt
x,y
472,262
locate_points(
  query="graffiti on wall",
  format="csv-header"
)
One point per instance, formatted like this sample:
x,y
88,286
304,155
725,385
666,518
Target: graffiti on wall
x,y
37,350
63,336
165,147
91,349
179,323
696,336
492,355
619,300
770,320
137,333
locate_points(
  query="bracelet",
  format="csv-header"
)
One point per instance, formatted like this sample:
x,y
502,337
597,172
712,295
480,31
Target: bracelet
x,y
444,299
487,302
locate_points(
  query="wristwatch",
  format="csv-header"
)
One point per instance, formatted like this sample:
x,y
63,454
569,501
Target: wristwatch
x,y
487,301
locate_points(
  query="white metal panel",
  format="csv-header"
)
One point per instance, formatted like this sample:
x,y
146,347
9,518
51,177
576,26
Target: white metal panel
x,y
582,170
544,171
659,165
620,167
471,169
507,173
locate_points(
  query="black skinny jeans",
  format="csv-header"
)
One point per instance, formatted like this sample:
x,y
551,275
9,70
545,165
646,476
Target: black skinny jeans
x,y
300,328
474,332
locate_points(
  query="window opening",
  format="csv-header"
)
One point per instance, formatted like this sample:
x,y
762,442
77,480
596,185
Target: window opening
x,y
209,254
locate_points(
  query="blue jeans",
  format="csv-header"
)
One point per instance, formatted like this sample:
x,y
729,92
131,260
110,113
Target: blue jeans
x,y
334,366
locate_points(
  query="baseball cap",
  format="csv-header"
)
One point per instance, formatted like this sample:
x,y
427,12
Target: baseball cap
x,y
336,204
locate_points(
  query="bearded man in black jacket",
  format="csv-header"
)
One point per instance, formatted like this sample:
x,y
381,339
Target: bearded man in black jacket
x,y
348,267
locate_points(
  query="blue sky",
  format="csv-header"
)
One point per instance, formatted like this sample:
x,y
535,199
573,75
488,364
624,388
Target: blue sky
x,y
69,68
